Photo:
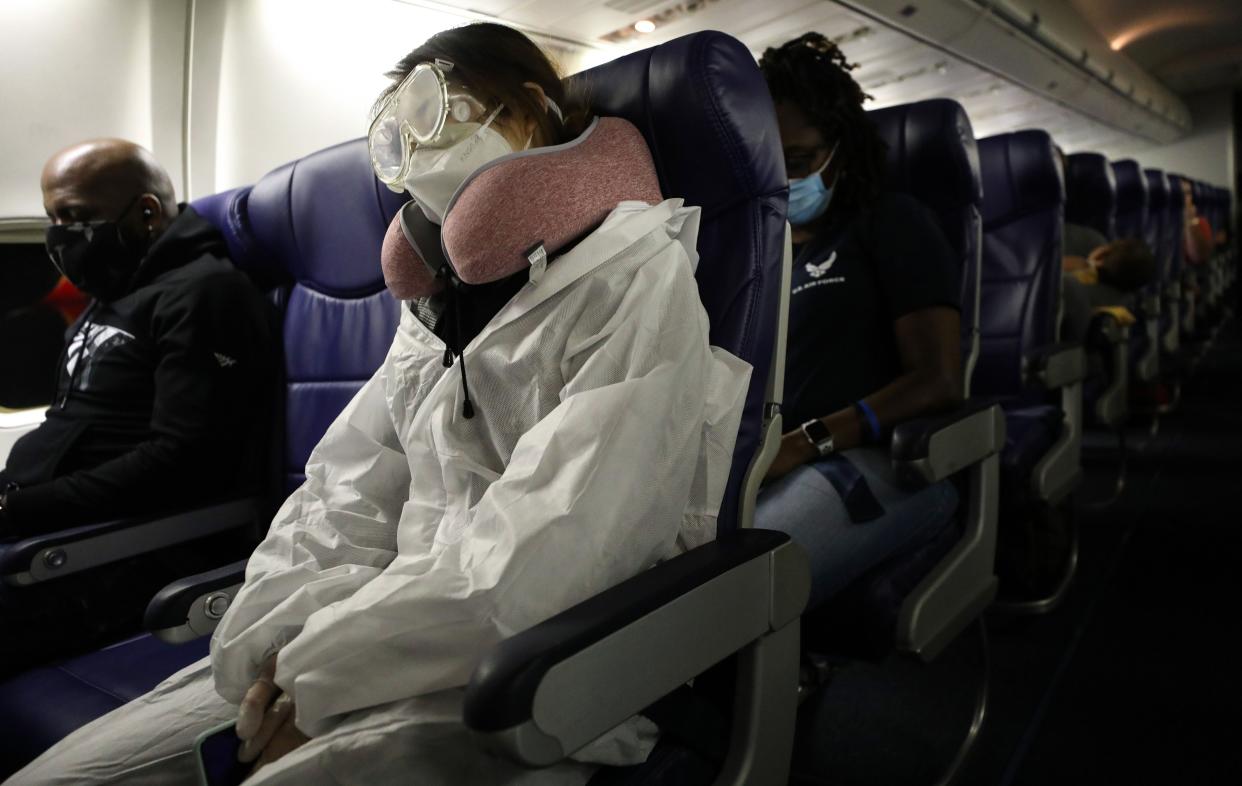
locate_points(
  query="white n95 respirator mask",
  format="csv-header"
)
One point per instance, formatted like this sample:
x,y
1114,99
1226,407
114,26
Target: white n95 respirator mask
x,y
434,175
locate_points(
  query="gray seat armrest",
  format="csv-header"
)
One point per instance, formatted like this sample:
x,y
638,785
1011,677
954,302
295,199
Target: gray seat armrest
x,y
551,689
932,448
963,583
1110,340
192,606
1054,366
1107,328
47,557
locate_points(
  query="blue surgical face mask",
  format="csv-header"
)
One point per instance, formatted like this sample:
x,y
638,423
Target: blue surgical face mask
x,y
808,196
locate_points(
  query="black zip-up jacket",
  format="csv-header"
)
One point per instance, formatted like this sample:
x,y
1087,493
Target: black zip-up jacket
x,y
163,396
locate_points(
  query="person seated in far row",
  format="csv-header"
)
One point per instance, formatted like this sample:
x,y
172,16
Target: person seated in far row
x,y
874,330
1198,245
1199,241
439,517
1104,277
160,398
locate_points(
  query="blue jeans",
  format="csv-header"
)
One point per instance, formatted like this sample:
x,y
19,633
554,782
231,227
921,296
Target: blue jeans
x,y
806,505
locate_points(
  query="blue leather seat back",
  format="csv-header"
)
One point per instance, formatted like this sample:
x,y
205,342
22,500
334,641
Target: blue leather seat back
x,y
1023,209
227,211
1090,193
932,156
1155,224
1131,199
1159,220
1218,202
311,231
322,220
1176,205
704,109
1218,199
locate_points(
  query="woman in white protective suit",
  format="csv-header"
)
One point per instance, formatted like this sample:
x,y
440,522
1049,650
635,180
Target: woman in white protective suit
x,y
586,433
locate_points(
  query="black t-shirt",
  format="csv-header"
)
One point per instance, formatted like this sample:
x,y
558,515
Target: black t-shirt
x,y
863,271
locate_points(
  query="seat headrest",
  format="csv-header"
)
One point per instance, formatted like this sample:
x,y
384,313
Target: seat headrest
x,y
1021,175
227,212
1090,192
1157,189
321,219
931,152
1131,186
698,100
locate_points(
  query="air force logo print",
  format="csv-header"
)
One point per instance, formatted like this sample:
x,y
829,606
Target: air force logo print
x,y
819,275
817,271
88,346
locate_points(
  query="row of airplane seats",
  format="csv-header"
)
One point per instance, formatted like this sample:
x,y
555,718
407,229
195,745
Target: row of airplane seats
x,y
1013,446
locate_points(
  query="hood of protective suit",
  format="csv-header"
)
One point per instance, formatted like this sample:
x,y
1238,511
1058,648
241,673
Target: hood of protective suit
x,y
421,539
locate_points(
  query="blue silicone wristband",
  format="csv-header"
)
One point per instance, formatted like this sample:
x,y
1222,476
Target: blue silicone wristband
x,y
873,423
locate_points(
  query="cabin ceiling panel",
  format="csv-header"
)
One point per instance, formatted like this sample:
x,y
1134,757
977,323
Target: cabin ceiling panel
x,y
894,67
1190,45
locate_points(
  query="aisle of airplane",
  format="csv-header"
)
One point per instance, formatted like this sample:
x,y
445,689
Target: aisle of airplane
x,y
1069,624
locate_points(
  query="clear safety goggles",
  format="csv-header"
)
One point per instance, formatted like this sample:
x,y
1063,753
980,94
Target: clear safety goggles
x,y
417,114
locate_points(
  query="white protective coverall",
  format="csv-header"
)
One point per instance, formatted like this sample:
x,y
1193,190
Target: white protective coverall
x,y
601,444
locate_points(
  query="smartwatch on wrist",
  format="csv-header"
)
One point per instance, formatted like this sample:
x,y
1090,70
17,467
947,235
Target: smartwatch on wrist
x,y
819,436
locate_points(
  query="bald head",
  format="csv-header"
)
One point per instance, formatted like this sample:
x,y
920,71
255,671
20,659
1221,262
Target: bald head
x,y
99,178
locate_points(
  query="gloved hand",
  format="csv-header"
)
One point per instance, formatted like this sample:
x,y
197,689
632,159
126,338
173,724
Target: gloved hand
x,y
265,715
286,738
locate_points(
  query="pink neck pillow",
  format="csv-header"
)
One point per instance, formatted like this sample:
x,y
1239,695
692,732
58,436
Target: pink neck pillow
x,y
549,197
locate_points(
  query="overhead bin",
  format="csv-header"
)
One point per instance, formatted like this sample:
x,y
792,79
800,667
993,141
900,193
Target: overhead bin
x,y
1046,48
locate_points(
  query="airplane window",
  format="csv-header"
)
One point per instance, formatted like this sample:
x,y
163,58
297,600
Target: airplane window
x,y
36,307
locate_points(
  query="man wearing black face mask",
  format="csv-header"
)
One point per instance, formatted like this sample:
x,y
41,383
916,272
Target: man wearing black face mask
x,y
161,392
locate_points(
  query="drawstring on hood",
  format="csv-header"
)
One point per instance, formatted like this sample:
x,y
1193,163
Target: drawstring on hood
x,y
457,345
463,309
467,409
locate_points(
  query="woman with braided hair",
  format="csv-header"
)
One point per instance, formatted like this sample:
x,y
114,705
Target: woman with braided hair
x,y
874,329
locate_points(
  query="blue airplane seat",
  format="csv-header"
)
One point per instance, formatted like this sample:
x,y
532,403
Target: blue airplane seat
x,y
1091,200
743,205
1131,205
1022,248
931,156
704,109
1136,219
695,100
916,603
1164,237
319,258
1021,361
338,317
1091,193
1156,223
1164,220
702,98
1132,199
44,705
